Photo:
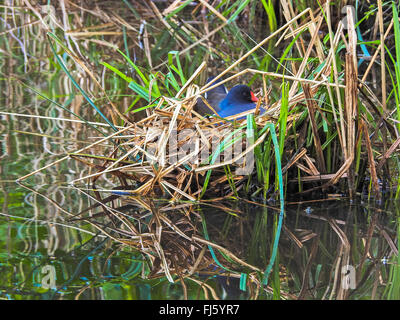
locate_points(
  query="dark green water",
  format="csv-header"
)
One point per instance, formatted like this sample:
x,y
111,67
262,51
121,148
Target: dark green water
x,y
44,255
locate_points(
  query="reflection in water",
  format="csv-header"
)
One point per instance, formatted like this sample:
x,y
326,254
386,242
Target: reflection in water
x,y
139,248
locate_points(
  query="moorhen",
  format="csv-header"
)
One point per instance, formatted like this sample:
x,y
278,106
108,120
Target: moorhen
x,y
239,99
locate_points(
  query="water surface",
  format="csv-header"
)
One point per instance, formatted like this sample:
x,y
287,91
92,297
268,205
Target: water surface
x,y
332,249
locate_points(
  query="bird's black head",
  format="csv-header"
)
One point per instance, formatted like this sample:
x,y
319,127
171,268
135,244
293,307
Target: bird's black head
x,y
241,94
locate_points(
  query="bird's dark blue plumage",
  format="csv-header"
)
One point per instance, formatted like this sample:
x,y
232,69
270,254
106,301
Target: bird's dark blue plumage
x,y
239,99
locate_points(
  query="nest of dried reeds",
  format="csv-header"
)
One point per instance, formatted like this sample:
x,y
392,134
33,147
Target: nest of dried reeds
x,y
170,152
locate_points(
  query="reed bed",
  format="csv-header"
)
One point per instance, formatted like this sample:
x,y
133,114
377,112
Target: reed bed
x,y
323,117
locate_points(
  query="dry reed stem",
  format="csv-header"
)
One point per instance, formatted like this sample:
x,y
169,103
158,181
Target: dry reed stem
x,y
388,153
305,283
311,165
342,260
377,51
351,95
318,45
336,77
367,246
237,62
311,105
374,177
160,17
303,64
288,14
382,42
320,177
211,8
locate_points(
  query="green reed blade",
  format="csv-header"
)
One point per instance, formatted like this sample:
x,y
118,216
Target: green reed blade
x,y
139,90
282,203
242,6
396,28
134,11
178,70
243,280
230,180
115,70
227,142
140,73
210,248
270,11
180,8
283,116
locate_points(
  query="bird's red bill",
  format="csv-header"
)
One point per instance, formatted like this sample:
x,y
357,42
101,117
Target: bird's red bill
x,y
253,97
